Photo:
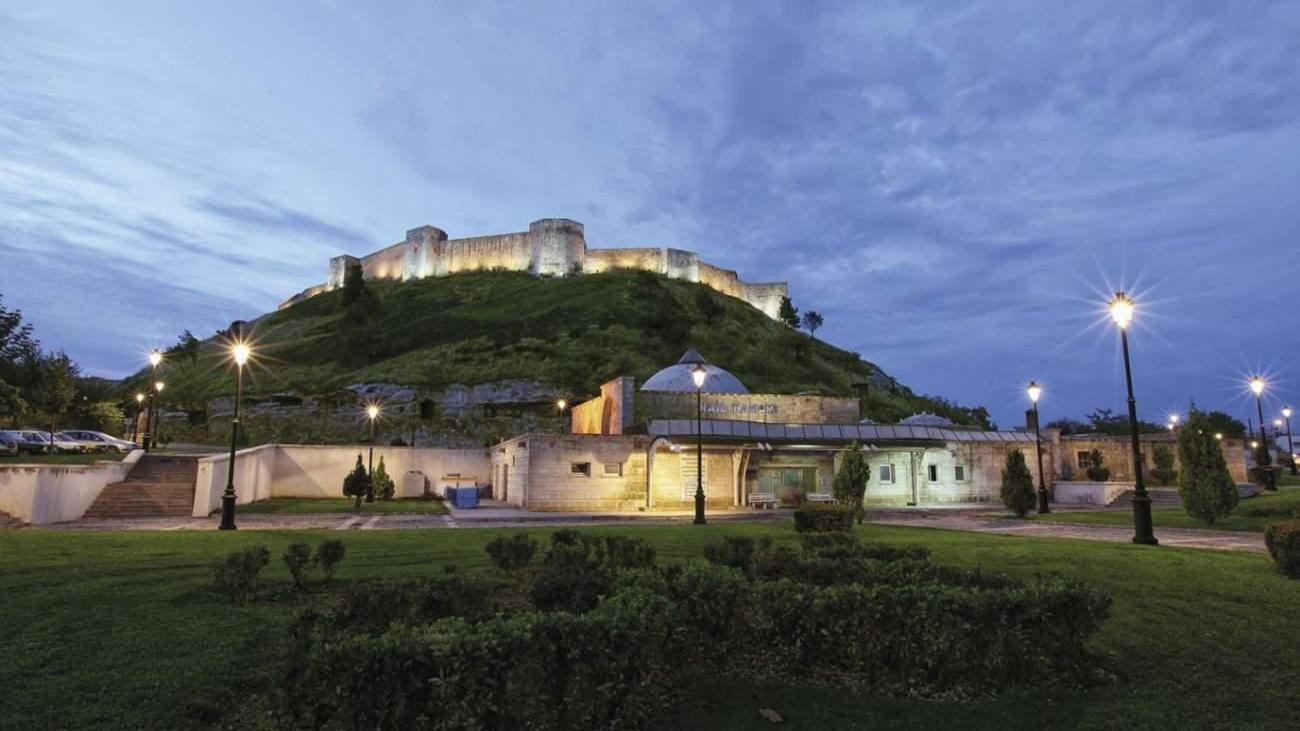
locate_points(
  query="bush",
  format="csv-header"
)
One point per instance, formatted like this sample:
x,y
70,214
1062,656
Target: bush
x,y
235,576
1017,484
357,483
511,553
1283,541
850,482
820,518
579,568
329,554
382,483
738,552
1163,458
1097,469
298,559
1207,489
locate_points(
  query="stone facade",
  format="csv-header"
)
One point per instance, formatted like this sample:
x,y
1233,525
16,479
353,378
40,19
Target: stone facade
x,y
550,247
1117,453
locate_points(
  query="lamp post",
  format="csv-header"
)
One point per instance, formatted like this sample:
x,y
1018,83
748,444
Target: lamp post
x,y
157,417
1173,422
1257,387
239,352
135,419
372,411
155,358
1034,390
1121,311
1290,447
698,374
561,405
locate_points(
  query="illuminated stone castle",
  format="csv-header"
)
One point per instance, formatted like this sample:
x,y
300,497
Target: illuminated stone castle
x,y
550,247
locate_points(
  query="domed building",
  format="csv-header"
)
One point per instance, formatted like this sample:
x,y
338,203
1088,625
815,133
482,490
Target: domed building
x,y
680,377
925,418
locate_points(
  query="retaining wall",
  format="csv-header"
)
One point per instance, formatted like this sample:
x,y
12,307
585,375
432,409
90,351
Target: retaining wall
x,y
40,494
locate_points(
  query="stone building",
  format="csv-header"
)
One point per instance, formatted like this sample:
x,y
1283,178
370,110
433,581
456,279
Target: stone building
x,y
550,247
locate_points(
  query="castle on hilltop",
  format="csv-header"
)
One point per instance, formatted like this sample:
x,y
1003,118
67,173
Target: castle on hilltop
x,y
550,247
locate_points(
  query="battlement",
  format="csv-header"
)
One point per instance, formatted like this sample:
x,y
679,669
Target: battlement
x,y
550,247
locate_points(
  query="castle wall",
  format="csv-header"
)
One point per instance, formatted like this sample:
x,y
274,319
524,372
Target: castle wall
x,y
384,264
645,259
683,265
725,281
766,296
512,252
559,246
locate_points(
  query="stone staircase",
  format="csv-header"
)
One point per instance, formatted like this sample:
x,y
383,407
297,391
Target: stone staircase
x,y
1161,497
158,485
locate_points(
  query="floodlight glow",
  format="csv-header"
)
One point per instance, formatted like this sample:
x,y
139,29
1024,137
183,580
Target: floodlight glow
x,y
1034,390
1121,310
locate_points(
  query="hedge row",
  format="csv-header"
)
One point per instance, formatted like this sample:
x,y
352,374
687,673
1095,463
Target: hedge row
x,y
820,518
1283,542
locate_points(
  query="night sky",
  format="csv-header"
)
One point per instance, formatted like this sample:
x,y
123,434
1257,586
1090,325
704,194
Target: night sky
x,y
956,187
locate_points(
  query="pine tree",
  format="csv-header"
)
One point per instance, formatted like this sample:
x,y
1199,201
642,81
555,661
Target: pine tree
x,y
789,314
1017,484
357,483
1203,479
850,482
384,487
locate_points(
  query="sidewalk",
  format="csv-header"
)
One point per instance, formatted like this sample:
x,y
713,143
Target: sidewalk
x,y
976,523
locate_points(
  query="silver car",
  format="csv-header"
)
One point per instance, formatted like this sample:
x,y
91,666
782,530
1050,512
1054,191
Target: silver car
x,y
96,441
32,441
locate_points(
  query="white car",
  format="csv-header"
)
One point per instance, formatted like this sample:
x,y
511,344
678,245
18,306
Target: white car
x,y
96,441
32,441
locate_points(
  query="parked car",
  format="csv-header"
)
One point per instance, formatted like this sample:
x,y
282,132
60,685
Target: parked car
x,y
96,441
8,446
32,441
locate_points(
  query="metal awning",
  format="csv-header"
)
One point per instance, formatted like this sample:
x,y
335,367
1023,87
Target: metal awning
x,y
732,430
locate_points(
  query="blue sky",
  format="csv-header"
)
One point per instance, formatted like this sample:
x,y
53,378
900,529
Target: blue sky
x,y
955,186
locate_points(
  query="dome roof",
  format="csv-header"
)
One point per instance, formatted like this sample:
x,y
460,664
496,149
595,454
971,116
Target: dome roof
x,y
925,418
677,377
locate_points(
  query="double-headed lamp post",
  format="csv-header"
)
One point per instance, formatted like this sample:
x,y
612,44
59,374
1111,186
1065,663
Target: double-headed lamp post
x,y
1290,446
1257,385
1034,390
1121,312
155,359
698,374
372,413
239,352
1173,422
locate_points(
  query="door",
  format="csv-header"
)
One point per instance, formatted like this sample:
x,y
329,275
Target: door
x,y
505,483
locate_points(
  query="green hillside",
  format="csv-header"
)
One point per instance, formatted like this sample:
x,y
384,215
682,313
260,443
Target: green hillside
x,y
572,333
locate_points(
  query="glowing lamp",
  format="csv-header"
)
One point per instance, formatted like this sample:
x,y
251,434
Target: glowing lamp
x,y
1277,423
155,357
158,386
1034,390
240,352
1218,435
1257,385
1286,411
139,398
561,404
698,374
1121,310
372,411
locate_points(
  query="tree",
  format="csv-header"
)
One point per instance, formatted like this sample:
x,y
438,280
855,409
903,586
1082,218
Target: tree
x,y
850,482
354,284
812,319
707,304
384,487
357,483
1105,421
1096,466
789,314
1163,457
1217,422
105,416
1204,482
186,348
58,389
1017,484
360,342
1067,426
12,405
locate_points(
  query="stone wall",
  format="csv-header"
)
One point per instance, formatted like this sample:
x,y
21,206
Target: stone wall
x,y
543,475
982,464
45,493
1117,452
550,247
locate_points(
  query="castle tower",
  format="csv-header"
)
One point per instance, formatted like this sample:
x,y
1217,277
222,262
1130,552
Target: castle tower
x,y
425,253
558,246
339,269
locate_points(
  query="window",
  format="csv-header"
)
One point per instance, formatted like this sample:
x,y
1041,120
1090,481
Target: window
x,y
960,473
934,473
613,469
886,473
1082,458
580,468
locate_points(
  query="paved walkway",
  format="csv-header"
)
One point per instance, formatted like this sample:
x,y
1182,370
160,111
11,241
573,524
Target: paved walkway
x,y
1171,537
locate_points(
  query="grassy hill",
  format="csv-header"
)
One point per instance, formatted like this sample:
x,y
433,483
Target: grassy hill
x,y
570,333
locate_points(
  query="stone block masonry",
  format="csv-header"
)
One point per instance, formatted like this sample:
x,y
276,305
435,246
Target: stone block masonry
x,y
551,247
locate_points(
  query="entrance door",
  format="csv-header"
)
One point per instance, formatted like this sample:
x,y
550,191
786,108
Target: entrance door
x,y
505,482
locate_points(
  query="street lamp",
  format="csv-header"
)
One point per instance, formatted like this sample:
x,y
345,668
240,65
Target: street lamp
x,y
372,411
1218,436
1121,311
1290,447
698,374
1257,385
1173,422
1034,390
157,416
239,352
155,359
135,419
561,405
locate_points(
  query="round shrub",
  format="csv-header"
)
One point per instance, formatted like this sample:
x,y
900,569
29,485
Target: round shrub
x,y
820,518
1283,541
514,552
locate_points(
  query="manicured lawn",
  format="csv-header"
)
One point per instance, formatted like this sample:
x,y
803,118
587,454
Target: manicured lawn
x,y
343,505
119,629
87,458
1241,519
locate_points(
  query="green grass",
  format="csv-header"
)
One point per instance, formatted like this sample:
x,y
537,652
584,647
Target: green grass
x,y
120,630
1175,517
85,458
344,505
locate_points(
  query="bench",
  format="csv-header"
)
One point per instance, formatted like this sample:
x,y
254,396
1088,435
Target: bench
x,y
763,500
819,497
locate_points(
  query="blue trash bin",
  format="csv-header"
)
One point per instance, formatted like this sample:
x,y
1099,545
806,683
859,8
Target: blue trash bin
x,y
463,497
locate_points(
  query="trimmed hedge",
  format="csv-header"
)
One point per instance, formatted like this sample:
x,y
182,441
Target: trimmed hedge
x,y
822,518
1283,541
